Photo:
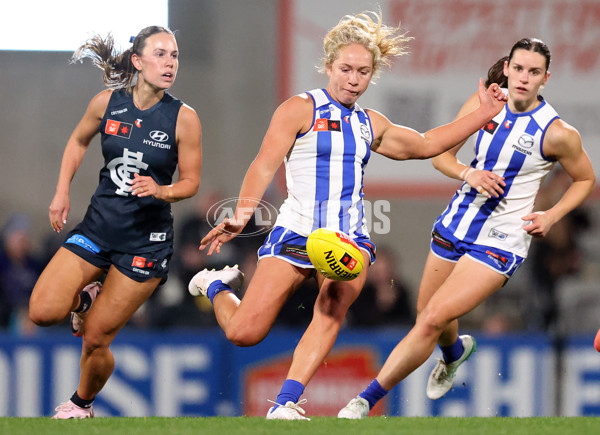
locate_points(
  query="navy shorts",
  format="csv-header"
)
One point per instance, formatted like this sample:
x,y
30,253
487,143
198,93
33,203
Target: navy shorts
x,y
140,267
444,245
289,246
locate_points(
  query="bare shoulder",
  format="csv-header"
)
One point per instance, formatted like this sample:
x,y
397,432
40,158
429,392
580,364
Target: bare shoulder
x,y
102,97
379,122
561,139
295,113
98,104
301,102
374,114
188,114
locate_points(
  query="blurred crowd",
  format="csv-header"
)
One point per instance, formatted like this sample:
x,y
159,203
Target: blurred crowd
x,y
531,301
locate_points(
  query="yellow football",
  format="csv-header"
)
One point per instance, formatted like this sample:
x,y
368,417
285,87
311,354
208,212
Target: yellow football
x,y
334,254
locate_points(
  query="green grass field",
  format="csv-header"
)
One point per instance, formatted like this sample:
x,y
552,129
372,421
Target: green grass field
x,y
317,426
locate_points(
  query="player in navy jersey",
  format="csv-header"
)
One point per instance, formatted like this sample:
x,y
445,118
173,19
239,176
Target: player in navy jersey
x,y
483,236
127,231
325,139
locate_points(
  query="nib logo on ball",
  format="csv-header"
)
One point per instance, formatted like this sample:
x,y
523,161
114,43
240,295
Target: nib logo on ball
x,y
334,254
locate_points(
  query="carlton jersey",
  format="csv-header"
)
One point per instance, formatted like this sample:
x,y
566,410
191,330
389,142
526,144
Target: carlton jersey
x,y
134,142
324,171
509,145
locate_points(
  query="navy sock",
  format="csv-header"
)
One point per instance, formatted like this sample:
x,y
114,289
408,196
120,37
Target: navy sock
x,y
82,403
373,393
290,392
453,352
85,302
216,287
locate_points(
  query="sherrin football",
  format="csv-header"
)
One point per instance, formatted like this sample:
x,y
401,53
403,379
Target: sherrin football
x,y
334,254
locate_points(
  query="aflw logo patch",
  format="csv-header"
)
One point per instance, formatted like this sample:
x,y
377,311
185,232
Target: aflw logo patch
x,y
118,128
327,125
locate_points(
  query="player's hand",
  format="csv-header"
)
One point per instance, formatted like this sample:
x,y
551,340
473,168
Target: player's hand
x,y
492,98
219,235
537,224
58,211
142,186
486,182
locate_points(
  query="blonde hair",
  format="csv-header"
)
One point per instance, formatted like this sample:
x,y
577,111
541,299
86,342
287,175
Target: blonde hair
x,y
368,30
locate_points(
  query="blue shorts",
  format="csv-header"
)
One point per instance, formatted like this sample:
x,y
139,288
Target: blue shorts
x,y
139,267
291,247
444,245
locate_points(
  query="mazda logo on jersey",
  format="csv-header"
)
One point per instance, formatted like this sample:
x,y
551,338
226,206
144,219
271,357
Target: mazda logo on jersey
x,y
159,136
526,140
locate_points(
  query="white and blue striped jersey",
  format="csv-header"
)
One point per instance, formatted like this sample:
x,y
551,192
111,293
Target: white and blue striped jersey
x,y
325,168
509,145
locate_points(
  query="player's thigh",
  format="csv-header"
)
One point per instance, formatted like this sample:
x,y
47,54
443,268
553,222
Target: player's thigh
x,y
59,283
120,298
469,284
435,272
272,284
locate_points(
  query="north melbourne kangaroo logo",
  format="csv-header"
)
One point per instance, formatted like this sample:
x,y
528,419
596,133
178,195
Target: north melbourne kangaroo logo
x,y
122,170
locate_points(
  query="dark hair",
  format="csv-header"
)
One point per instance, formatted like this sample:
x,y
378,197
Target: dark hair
x,y
118,69
532,44
496,74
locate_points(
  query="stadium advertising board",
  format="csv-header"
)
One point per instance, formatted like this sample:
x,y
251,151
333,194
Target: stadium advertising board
x,y
204,375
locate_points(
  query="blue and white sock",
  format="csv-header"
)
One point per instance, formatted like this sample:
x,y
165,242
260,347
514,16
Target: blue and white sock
x,y
373,393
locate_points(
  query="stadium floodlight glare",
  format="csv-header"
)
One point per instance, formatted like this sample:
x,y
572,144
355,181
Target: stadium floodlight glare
x,y
63,25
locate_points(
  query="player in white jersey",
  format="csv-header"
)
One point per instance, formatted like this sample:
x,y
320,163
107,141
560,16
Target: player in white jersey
x,y
483,235
325,139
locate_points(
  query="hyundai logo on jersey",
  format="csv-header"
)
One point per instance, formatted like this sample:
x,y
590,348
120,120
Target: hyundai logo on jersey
x,y
159,136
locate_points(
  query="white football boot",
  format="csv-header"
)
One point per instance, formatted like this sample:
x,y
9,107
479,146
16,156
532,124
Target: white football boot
x,y
355,409
441,378
289,411
68,410
231,276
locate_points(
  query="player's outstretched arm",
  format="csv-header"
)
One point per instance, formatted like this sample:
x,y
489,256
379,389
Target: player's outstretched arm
x,y
290,118
403,143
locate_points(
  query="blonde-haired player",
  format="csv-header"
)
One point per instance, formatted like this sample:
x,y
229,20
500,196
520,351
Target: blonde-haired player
x,y
325,139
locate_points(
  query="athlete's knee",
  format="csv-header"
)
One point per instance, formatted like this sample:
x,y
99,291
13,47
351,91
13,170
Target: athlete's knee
x,y
94,339
333,308
433,319
245,337
44,315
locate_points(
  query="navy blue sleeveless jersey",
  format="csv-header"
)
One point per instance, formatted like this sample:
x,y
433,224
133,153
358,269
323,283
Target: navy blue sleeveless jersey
x,y
134,141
